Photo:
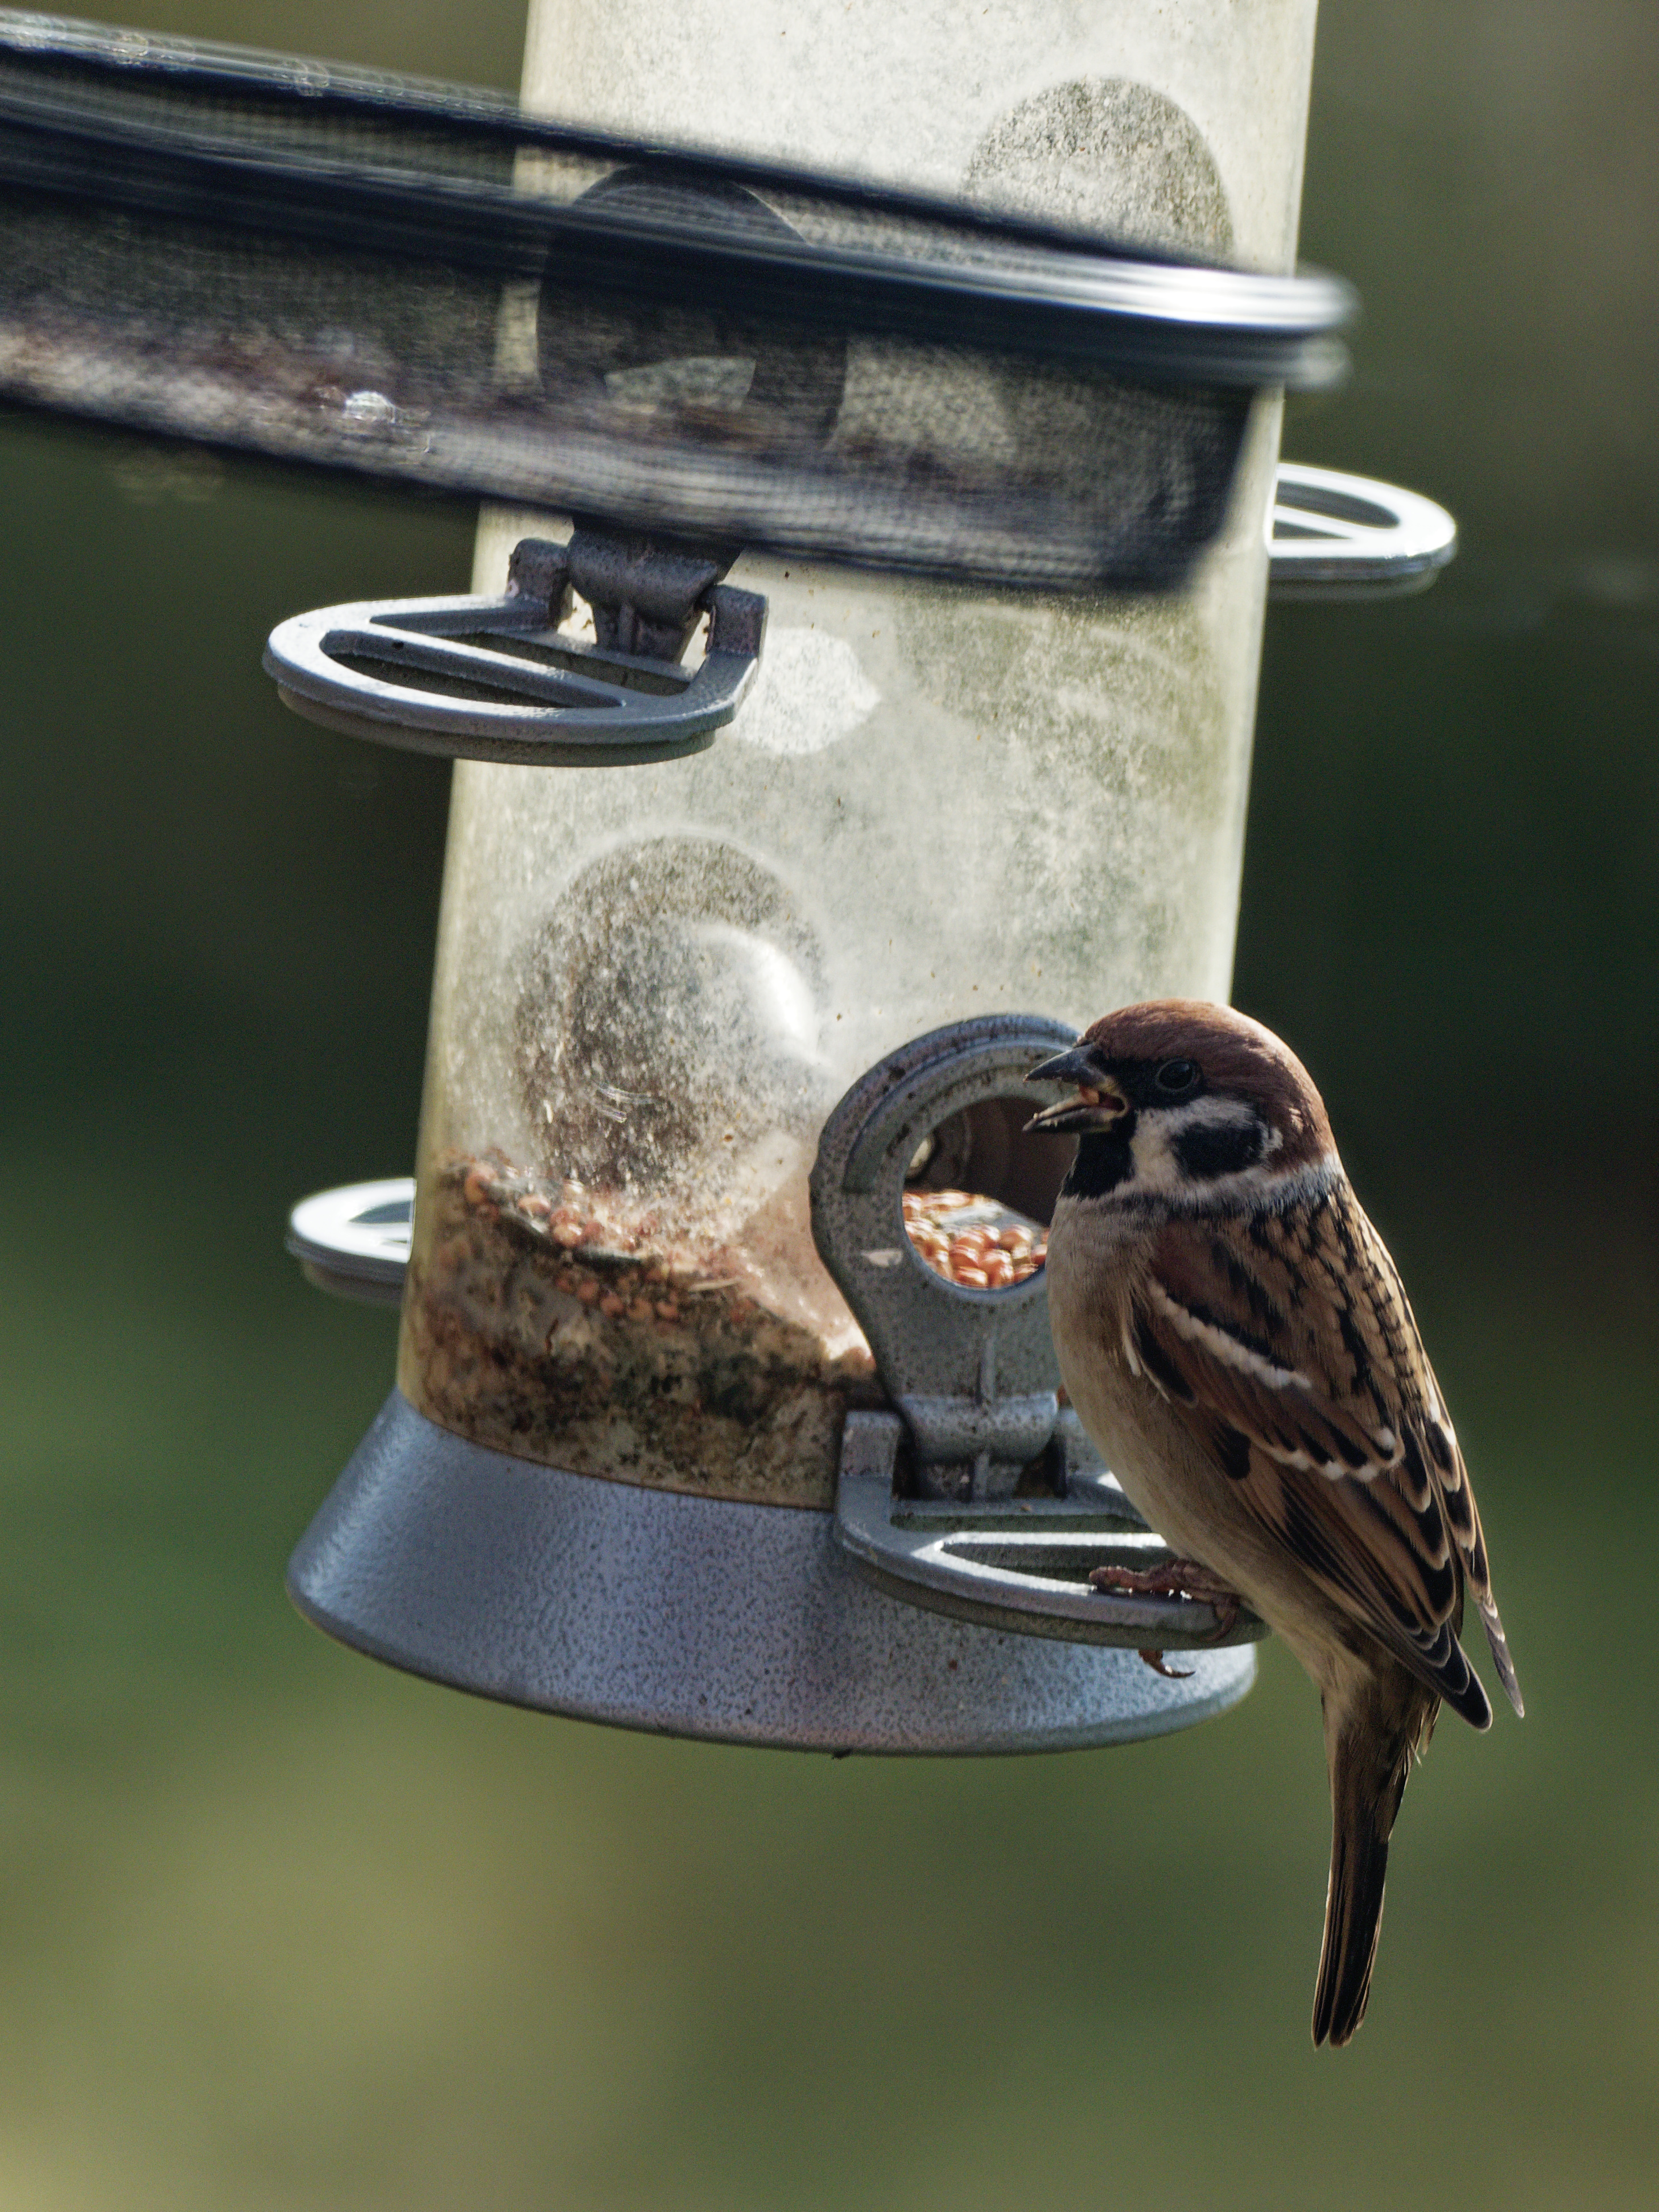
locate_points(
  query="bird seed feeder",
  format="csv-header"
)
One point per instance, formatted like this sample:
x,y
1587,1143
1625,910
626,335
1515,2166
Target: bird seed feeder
x,y
856,701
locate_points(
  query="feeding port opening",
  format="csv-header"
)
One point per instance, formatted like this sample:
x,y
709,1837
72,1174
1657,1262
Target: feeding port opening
x,y
979,1194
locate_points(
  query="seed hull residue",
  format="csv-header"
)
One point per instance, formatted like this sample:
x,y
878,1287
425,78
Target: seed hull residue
x,y
553,1322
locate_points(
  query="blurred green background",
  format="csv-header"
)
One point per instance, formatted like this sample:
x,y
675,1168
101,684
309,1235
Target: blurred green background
x,y
281,1928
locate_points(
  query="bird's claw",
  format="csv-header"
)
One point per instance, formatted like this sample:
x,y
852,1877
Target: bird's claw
x,y
1155,1661
1175,1579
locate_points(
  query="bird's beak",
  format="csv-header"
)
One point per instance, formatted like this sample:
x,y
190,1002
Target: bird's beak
x,y
1098,1102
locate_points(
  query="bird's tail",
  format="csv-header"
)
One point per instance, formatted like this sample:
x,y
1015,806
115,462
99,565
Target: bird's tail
x,y
1370,1744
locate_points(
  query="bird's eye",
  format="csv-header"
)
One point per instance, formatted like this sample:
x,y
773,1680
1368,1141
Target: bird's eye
x,y
1176,1077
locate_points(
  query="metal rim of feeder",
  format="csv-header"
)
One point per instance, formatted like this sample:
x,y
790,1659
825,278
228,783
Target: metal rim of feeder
x,y
574,706
1022,1564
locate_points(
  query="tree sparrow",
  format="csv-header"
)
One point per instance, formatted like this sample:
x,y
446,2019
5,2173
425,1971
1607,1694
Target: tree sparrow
x,y
1236,1342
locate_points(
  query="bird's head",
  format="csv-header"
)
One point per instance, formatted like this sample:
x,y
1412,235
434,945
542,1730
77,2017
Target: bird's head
x,y
1178,1095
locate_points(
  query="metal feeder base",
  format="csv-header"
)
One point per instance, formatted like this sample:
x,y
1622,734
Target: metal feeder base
x,y
690,1616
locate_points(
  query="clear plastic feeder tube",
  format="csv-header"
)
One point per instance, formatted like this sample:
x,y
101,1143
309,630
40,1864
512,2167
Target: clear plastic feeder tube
x,y
654,982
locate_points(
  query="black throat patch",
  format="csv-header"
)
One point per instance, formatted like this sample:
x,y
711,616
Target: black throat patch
x,y
1103,1162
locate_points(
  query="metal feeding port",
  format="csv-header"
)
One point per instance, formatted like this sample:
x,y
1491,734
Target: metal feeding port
x,y
499,680
980,1496
1332,536
355,1241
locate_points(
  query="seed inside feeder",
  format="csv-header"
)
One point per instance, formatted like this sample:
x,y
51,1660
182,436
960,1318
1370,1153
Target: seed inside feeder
x,y
557,1322
974,1241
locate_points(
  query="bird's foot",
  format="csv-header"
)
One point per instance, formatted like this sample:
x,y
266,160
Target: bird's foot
x,y
1155,1661
1175,1578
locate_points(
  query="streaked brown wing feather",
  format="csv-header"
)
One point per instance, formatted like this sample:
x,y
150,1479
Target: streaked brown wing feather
x,y
1287,1342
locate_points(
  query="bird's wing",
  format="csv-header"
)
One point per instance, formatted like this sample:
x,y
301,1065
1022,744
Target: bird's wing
x,y
1285,1340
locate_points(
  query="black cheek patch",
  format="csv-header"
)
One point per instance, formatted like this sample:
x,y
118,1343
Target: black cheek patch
x,y
1205,1153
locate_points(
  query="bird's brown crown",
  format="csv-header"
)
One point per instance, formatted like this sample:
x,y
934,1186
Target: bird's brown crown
x,y
1239,1058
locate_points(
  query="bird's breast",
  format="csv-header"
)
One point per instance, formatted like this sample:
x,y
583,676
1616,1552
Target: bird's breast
x,y
1095,1256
